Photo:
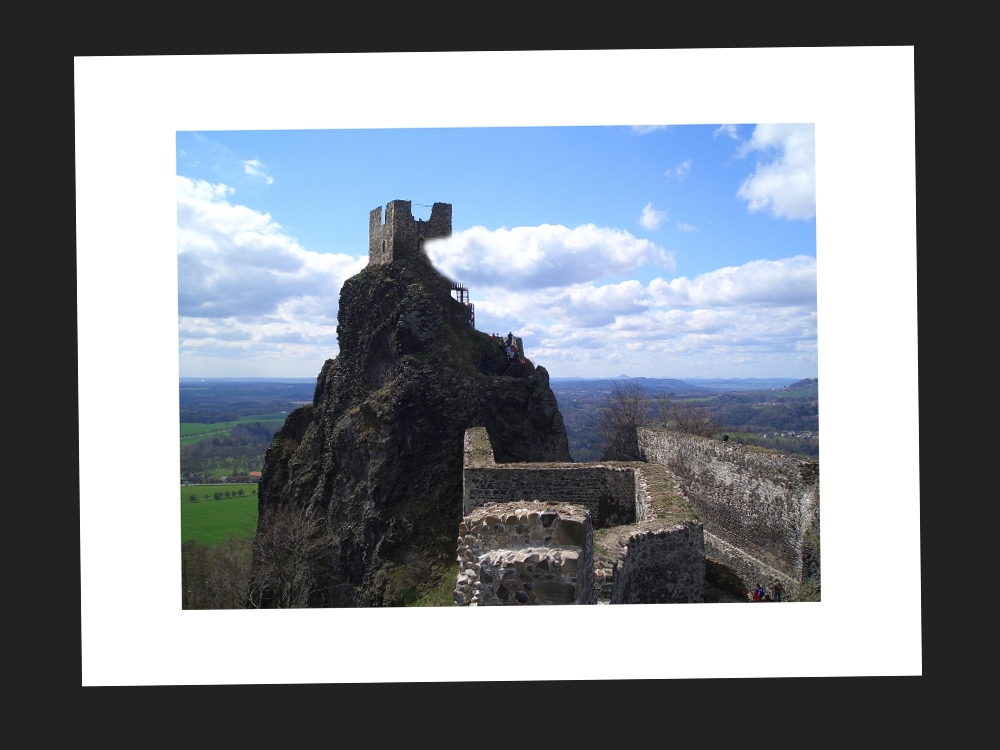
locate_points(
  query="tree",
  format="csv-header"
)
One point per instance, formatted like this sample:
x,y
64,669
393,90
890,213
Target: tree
x,y
629,406
192,498
289,549
626,408
685,416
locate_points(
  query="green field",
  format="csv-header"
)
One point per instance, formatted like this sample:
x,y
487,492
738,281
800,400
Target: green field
x,y
195,432
211,521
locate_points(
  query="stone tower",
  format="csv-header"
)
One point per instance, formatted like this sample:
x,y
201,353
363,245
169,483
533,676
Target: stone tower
x,y
401,235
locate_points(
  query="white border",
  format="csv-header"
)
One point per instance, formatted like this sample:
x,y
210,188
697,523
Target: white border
x,y
862,102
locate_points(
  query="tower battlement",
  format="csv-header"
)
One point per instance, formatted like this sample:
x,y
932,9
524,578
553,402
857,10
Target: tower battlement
x,y
400,235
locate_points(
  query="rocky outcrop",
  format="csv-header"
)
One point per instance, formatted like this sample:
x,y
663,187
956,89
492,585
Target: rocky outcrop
x,y
380,450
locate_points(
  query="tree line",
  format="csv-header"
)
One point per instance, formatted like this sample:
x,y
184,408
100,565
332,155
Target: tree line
x,y
241,450
590,415
630,405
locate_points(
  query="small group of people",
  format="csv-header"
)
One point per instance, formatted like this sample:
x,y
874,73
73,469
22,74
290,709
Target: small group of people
x,y
759,595
509,348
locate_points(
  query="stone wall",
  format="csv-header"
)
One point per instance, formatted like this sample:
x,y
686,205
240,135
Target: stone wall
x,y
756,506
651,547
651,563
608,493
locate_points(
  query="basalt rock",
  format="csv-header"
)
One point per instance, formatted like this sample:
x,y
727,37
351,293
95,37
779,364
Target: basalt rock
x,y
379,451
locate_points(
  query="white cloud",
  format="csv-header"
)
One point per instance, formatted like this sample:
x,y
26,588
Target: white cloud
x,y
785,186
644,129
244,286
791,281
549,255
729,130
250,295
680,171
686,227
254,167
651,218
724,321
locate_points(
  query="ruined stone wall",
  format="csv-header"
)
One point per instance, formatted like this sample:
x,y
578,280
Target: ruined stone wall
x,y
755,505
525,553
651,547
608,493
649,563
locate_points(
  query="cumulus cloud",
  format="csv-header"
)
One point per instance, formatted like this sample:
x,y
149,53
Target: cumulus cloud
x,y
786,185
254,167
791,281
727,320
549,255
729,130
651,218
243,284
680,171
591,306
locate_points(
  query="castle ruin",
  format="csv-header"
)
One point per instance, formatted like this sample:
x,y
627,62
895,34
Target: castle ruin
x,y
400,236
695,515
414,439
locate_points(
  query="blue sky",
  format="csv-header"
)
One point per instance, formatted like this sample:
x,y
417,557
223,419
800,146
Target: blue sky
x,y
653,250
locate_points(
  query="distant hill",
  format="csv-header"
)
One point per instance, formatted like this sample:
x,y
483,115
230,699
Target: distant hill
x,y
806,384
605,384
742,384
694,385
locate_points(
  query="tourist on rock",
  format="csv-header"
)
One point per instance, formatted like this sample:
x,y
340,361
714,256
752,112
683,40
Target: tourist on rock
x,y
778,589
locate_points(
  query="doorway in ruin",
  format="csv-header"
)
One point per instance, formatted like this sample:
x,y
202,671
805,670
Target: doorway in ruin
x,y
722,584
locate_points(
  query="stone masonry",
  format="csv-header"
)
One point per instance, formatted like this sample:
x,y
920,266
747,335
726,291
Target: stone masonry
x,y
756,505
634,539
525,553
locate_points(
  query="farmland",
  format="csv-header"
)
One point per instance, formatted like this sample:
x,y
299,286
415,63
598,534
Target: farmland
x,y
210,521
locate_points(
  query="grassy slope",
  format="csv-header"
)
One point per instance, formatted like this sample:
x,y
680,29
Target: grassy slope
x,y
212,521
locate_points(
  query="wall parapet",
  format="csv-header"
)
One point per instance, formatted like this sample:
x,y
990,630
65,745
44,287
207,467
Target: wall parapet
x,y
756,505
651,562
